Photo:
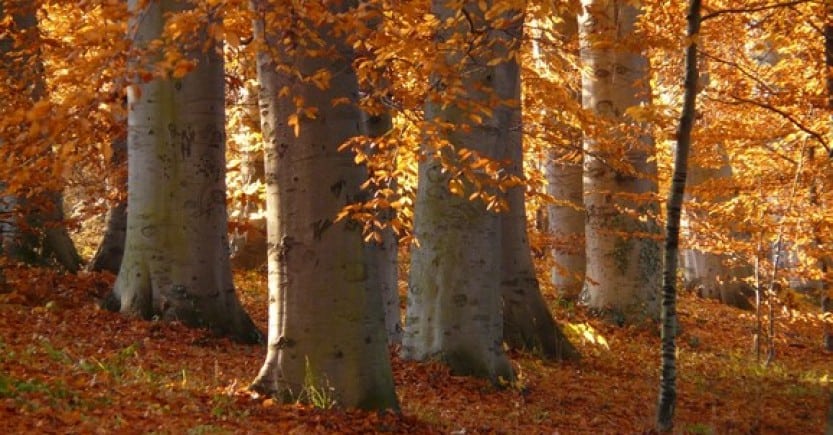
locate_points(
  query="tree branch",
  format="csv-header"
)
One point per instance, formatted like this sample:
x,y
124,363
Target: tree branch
x,y
816,135
742,70
749,9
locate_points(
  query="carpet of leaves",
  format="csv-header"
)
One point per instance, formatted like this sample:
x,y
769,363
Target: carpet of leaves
x,y
67,366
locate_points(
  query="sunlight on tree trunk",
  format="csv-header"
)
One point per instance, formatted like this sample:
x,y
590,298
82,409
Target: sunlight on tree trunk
x,y
623,253
563,171
326,322
176,259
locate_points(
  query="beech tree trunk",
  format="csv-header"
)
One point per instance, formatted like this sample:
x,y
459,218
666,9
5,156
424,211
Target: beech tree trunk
x,y
383,263
176,258
45,236
111,249
326,322
527,321
454,295
706,272
623,252
566,224
563,170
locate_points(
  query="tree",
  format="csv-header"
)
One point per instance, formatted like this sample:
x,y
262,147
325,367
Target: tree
x,y
668,391
382,252
563,162
619,178
707,272
454,292
326,322
32,228
527,321
176,259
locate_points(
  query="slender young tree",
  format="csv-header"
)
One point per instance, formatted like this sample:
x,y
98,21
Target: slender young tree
x,y
176,258
668,389
826,262
622,247
326,321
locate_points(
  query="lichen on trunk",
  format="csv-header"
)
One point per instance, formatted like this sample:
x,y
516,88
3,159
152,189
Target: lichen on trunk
x,y
621,233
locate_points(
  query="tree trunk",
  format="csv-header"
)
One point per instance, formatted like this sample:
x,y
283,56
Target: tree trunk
x,y
176,259
707,272
668,377
45,235
454,295
623,253
566,224
326,323
111,250
527,321
563,171
383,260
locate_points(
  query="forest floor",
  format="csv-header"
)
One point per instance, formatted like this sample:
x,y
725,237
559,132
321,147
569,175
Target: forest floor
x,y
68,367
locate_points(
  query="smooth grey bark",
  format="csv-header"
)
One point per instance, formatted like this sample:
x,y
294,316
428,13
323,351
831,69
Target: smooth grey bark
x,y
454,293
326,322
563,171
111,249
383,263
623,252
176,258
566,224
527,321
668,377
383,253
45,237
